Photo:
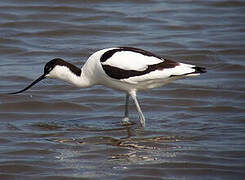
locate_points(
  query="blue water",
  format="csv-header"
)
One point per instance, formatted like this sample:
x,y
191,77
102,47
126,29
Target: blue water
x,y
195,128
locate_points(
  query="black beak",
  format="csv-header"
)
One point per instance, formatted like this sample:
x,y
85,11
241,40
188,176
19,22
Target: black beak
x,y
32,84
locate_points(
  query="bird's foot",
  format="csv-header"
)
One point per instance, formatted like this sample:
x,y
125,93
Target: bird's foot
x,y
125,122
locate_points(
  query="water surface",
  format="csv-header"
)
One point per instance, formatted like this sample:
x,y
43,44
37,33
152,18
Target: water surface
x,y
195,128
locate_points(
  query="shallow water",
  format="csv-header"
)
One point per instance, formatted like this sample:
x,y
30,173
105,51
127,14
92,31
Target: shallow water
x,y
195,128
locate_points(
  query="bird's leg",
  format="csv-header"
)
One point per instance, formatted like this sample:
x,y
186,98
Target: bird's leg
x,y
126,106
142,118
125,119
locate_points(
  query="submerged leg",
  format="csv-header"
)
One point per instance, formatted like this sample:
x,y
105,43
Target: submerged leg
x,y
126,105
125,119
142,118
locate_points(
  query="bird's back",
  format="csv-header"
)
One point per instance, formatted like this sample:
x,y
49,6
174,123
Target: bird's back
x,y
127,68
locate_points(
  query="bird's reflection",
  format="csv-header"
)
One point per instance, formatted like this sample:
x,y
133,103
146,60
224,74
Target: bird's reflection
x,y
130,148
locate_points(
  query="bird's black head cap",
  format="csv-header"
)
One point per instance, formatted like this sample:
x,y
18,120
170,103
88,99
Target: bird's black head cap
x,y
47,69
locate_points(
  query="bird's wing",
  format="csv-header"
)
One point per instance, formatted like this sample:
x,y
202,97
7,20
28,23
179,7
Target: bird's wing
x,y
129,59
134,65
124,63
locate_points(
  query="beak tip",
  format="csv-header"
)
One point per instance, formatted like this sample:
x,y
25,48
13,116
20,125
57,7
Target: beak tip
x,y
33,83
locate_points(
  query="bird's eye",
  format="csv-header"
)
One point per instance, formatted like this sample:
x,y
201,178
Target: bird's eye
x,y
50,69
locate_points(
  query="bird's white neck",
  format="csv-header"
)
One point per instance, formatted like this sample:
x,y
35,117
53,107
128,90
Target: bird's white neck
x,y
66,74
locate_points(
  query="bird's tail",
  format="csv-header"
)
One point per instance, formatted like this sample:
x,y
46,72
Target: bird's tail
x,y
199,69
187,70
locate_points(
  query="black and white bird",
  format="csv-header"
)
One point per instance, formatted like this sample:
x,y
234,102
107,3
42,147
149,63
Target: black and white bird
x,y
123,68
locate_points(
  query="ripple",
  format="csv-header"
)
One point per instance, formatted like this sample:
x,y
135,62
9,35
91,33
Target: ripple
x,y
194,127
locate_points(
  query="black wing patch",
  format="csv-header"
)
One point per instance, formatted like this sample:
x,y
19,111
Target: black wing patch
x,y
117,73
110,53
